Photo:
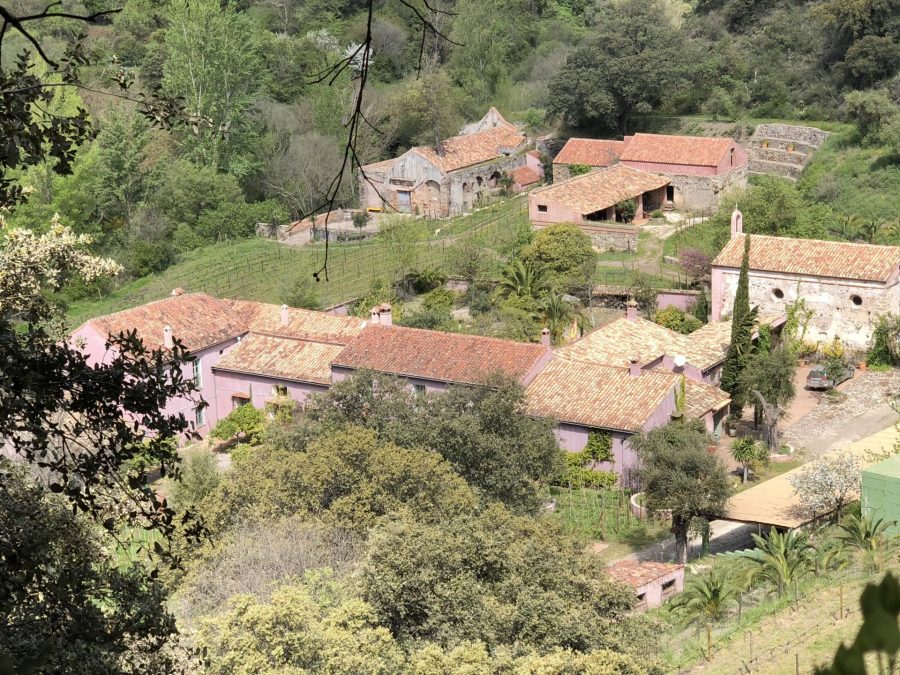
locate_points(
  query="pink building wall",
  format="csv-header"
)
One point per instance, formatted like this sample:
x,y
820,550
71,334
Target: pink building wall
x,y
652,594
674,298
338,374
94,346
260,389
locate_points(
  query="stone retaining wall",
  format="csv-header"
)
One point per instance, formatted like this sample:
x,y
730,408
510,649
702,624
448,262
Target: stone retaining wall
x,y
810,135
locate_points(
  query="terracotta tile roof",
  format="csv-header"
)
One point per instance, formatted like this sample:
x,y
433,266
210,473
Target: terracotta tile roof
x,y
303,324
197,319
525,175
683,150
590,151
701,398
383,166
459,152
813,257
434,355
615,343
281,358
597,396
637,573
601,189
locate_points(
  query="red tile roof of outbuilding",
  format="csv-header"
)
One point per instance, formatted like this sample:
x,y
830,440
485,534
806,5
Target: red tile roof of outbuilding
x,y
637,573
525,175
682,150
590,151
281,358
438,356
459,152
813,257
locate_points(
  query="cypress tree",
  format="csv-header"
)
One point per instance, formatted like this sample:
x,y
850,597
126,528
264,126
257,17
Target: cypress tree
x,y
742,320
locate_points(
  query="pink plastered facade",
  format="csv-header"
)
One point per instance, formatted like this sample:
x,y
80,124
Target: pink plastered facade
x,y
234,389
94,346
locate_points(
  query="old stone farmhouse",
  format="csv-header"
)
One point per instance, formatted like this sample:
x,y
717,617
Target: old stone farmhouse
x,y
452,177
593,201
846,285
699,168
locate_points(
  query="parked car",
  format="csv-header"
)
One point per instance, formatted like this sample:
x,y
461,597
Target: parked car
x,y
817,379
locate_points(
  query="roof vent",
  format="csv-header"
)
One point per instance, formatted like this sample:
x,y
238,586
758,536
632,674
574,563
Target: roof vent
x,y
634,366
168,341
285,316
680,360
631,310
176,292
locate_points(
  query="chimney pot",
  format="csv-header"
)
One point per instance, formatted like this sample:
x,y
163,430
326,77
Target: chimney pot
x,y
634,367
376,315
285,317
737,223
387,315
631,310
168,341
545,336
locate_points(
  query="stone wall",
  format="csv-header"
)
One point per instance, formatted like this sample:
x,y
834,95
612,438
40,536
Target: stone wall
x,y
790,132
609,238
783,149
847,309
699,193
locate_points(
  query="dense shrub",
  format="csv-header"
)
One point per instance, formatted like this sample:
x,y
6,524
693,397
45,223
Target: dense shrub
x,y
439,300
677,320
199,477
300,291
564,252
244,419
884,350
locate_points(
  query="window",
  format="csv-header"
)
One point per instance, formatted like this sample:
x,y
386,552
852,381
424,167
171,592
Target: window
x,y
200,417
238,401
542,208
668,585
198,373
279,390
777,293
856,300
419,389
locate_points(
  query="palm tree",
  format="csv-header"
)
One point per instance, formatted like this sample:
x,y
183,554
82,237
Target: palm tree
x,y
849,226
865,534
558,312
745,453
869,230
781,558
524,280
707,598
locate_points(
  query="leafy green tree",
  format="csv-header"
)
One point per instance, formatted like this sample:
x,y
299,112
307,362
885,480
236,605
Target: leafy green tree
x,y
631,58
564,252
579,169
483,36
493,577
245,422
300,291
771,373
349,478
739,350
483,431
885,348
428,110
214,62
677,320
186,191
870,110
238,220
65,606
199,477
707,598
124,168
679,475
781,559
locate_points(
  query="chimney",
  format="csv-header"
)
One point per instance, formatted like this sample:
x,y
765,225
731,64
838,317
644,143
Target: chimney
x,y
168,342
176,292
376,315
387,316
545,337
634,367
631,310
285,317
737,223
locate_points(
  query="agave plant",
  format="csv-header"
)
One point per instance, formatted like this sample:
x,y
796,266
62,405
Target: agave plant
x,y
781,558
707,598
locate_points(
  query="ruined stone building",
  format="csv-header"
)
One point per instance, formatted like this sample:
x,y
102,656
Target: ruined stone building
x,y
699,169
449,179
846,285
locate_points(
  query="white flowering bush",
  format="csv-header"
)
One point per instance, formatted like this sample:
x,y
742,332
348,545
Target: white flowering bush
x,y
828,484
30,263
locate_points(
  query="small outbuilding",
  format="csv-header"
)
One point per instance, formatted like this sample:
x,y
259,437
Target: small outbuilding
x,y
595,153
653,582
881,492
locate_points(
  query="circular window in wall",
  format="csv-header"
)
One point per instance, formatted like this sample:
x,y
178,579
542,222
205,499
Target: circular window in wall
x,y
856,300
778,294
